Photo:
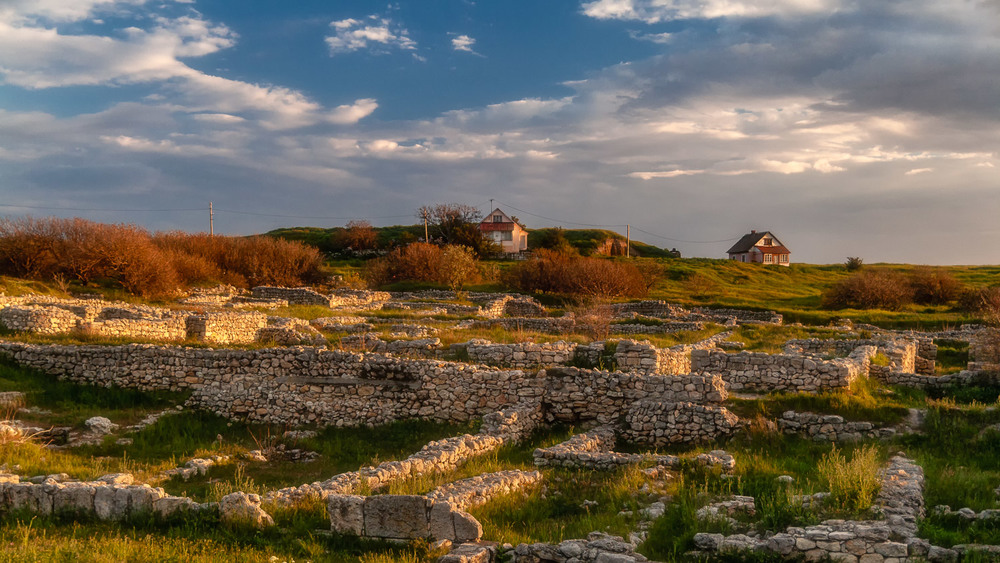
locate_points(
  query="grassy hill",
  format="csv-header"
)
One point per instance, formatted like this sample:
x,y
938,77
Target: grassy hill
x,y
586,241
796,291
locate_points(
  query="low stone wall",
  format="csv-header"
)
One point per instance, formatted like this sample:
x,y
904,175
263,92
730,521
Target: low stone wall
x,y
295,385
165,329
593,450
475,491
574,394
829,428
38,319
520,355
226,328
293,295
963,378
503,427
757,371
112,497
550,325
597,548
644,356
661,328
659,309
660,423
358,299
400,517
740,316
892,540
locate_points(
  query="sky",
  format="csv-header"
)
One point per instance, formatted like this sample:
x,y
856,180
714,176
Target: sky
x,y
845,127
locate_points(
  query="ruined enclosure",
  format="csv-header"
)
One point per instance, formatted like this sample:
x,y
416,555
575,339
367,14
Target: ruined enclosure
x,y
640,414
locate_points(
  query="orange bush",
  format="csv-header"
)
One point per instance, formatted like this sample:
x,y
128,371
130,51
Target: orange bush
x,y
144,264
556,272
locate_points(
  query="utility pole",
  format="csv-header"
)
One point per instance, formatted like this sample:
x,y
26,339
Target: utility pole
x,y
491,205
628,241
211,220
426,238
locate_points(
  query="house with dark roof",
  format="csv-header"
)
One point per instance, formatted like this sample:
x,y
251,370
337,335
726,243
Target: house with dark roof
x,y
760,248
505,231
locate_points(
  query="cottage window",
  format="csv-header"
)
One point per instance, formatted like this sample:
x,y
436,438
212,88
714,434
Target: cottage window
x,y
768,242
498,218
784,258
767,258
506,235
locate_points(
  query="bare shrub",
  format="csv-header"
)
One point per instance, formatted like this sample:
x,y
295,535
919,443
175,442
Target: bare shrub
x,y
594,319
934,286
870,289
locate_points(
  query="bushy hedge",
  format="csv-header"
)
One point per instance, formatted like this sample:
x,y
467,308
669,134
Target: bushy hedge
x,y
556,272
145,264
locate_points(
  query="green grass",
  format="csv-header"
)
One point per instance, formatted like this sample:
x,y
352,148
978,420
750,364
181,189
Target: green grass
x,y
199,538
71,403
952,356
772,338
865,400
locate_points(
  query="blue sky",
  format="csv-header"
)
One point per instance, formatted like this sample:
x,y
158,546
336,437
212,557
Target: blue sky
x,y
847,128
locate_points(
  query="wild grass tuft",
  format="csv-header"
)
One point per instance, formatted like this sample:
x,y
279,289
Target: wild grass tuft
x,y
853,483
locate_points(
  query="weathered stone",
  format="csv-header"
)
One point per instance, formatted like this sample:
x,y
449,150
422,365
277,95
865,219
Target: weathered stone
x,y
242,509
396,516
347,514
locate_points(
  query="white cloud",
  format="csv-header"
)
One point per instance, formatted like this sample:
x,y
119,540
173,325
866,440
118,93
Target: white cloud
x,y
375,33
918,171
655,11
463,43
21,11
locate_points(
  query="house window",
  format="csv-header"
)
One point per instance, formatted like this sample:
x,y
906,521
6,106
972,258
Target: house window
x,y
743,257
784,258
767,258
768,241
498,218
506,235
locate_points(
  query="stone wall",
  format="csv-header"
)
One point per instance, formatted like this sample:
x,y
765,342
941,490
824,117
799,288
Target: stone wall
x,y
475,491
293,295
829,428
760,372
400,517
891,540
506,426
661,423
739,316
38,319
661,328
550,325
226,328
298,385
593,450
574,394
520,355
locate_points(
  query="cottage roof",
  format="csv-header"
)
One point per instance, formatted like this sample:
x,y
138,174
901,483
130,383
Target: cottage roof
x,y
750,240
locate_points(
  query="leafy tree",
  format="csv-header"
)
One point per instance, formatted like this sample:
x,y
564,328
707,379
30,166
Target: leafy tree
x,y
457,224
359,235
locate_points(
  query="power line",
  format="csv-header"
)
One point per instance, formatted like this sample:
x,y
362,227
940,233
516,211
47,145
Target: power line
x,y
556,220
217,210
685,241
48,208
619,225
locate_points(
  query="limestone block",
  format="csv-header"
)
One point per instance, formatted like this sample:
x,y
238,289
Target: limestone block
x,y
467,528
241,508
442,524
347,514
167,506
396,516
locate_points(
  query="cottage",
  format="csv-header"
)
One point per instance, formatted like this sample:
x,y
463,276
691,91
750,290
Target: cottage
x,y
501,229
761,248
